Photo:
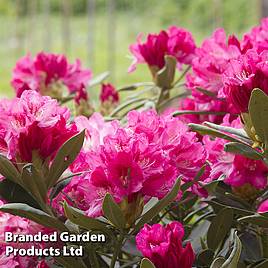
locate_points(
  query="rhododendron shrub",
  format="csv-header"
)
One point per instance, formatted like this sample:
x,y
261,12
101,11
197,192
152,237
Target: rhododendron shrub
x,y
173,171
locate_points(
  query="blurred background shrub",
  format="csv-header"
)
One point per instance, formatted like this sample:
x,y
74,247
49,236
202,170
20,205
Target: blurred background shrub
x,y
100,31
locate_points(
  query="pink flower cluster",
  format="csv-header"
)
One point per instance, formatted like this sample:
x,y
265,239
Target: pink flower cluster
x,y
18,225
244,74
163,246
257,38
228,71
236,169
176,42
144,158
33,124
208,66
48,74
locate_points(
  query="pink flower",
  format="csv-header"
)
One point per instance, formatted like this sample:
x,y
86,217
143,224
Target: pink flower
x,y
144,158
48,74
244,74
34,123
181,44
109,93
263,207
151,52
163,245
215,107
211,61
257,38
237,170
177,142
175,41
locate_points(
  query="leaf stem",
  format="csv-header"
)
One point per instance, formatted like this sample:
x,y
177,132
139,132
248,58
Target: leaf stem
x,y
117,250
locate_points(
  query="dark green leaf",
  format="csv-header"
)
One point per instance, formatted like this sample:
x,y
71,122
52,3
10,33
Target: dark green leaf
x,y
146,263
255,219
189,184
206,92
218,206
33,182
8,170
205,257
263,264
77,217
70,262
232,261
61,184
219,228
64,157
127,88
258,111
112,212
14,193
243,149
161,204
33,214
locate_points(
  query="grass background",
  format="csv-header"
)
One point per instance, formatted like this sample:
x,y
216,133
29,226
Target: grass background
x,y
201,17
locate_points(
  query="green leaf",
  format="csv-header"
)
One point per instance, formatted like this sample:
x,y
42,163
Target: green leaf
x,y
146,263
183,112
85,222
33,214
258,111
33,182
8,170
165,77
189,184
125,105
232,261
243,149
204,130
98,79
206,92
217,263
70,262
205,257
160,205
255,219
15,193
219,228
113,212
263,264
64,157
241,133
127,88
61,184
218,206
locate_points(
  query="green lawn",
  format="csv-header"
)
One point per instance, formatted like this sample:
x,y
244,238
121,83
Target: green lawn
x,y
33,32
